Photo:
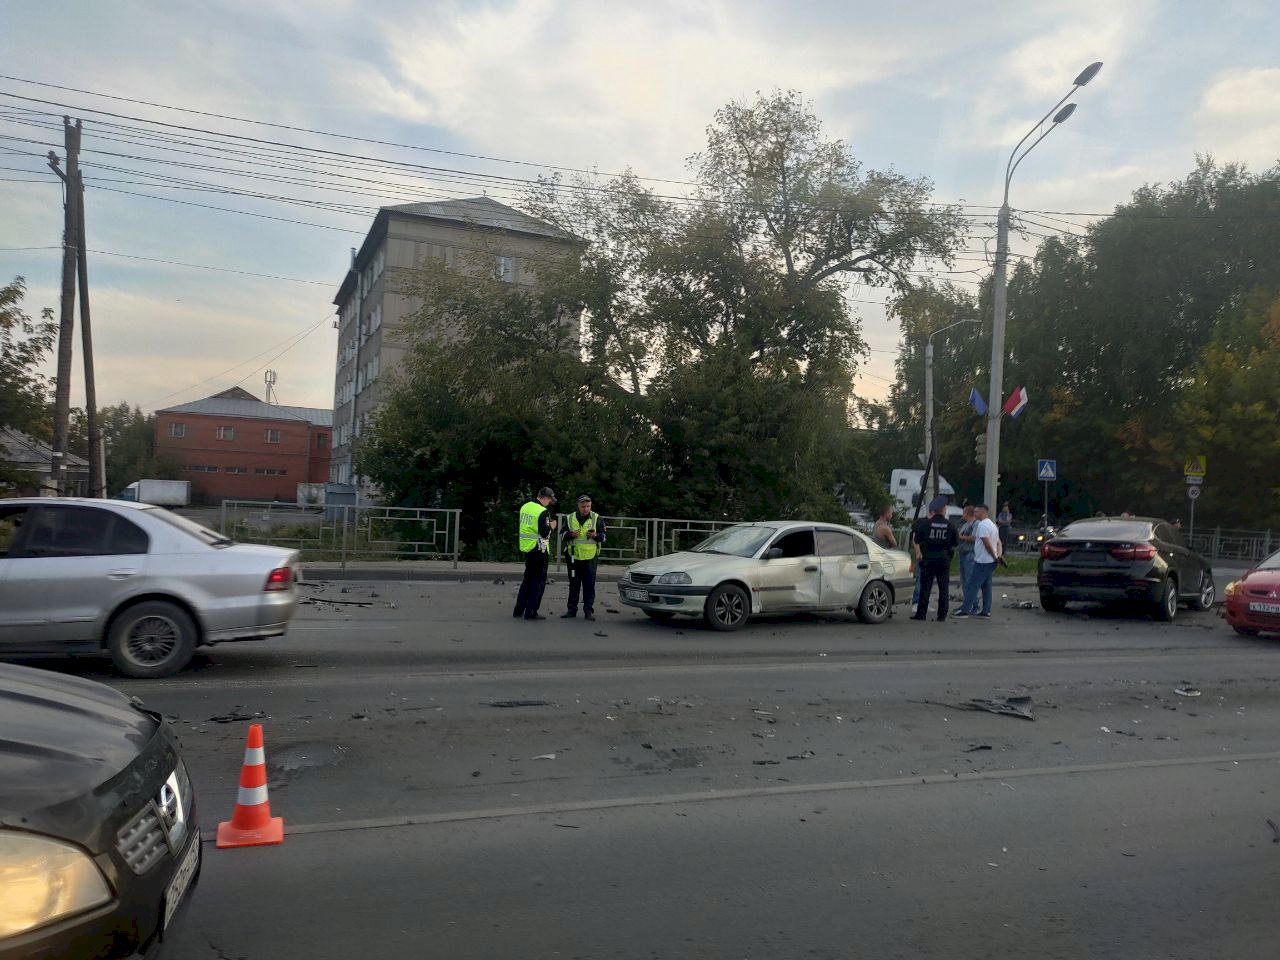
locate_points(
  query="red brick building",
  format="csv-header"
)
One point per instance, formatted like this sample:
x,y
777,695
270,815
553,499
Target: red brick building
x,y
237,447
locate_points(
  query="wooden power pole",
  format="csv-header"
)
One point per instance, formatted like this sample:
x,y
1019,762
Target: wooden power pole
x,y
97,472
67,307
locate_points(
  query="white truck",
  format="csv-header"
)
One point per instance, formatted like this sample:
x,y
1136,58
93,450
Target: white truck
x,y
904,487
161,493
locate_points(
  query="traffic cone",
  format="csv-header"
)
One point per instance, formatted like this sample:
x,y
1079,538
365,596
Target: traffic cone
x,y
251,823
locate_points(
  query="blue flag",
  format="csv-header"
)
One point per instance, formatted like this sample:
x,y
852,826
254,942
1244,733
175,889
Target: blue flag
x,y
975,398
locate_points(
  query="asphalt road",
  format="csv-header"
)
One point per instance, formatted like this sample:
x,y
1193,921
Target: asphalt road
x,y
805,788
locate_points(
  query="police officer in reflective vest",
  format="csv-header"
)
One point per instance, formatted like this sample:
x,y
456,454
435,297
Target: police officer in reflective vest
x,y
586,536
536,525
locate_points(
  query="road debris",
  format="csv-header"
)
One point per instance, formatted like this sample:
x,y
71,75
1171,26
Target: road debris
x,y
236,717
498,582
1186,690
519,703
601,633
569,826
1005,706
766,763
544,756
1274,829
976,747
344,603
802,756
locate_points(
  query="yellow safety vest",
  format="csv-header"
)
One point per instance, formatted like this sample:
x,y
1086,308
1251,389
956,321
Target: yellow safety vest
x,y
529,515
586,548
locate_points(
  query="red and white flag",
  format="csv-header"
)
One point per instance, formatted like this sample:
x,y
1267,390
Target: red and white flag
x,y
1016,403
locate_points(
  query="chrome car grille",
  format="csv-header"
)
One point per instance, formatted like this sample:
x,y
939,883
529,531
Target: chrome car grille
x,y
641,577
160,826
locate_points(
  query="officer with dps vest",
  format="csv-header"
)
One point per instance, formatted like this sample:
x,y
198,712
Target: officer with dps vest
x,y
585,536
536,525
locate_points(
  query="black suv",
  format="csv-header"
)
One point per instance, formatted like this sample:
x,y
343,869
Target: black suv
x,y
99,842
1124,558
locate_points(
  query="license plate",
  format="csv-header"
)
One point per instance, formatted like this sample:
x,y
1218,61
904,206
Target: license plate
x,y
182,879
1264,608
631,593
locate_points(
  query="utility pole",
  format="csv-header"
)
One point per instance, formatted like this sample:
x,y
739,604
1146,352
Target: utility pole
x,y
995,395
930,487
67,306
97,469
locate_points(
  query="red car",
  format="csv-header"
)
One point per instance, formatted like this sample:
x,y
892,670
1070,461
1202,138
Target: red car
x,y
1253,601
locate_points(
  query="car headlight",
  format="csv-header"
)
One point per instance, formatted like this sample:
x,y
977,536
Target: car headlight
x,y
678,577
1233,588
43,880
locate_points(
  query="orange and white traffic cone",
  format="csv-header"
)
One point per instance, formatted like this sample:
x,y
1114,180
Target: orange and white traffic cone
x,y
251,823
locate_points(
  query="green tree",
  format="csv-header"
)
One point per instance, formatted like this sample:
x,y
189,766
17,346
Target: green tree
x,y
129,437
24,343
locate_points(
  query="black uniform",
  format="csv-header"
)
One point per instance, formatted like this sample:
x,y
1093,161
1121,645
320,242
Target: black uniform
x,y
529,599
937,540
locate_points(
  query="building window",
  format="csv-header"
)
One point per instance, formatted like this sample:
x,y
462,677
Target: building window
x,y
239,471
322,440
197,468
177,430
270,472
271,436
226,433
505,269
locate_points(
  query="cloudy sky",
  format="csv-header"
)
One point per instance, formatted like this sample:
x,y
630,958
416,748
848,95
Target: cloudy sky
x,y
931,88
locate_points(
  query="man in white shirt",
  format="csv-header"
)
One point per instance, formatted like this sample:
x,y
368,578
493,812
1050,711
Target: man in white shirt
x,y
986,550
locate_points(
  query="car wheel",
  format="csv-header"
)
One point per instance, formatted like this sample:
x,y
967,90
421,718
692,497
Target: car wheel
x,y
662,616
728,607
1167,606
876,602
1051,604
152,639
1208,593
1245,631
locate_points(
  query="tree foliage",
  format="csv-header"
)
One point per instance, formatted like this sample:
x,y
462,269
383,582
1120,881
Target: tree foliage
x,y
24,343
686,356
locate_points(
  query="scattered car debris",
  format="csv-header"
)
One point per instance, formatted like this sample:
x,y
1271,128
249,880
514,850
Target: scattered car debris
x,y
519,703
1006,706
344,603
647,745
544,756
766,763
475,773
1186,690
236,717
1020,605
1274,829
805,755
601,633
499,582
569,826
359,716
976,747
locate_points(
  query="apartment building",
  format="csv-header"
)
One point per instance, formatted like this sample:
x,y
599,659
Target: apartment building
x,y
234,446
371,309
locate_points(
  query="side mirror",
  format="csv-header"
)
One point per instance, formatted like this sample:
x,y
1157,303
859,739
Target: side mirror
x,y
773,553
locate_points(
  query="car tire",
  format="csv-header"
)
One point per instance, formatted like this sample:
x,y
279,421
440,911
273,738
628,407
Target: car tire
x,y
1166,607
876,602
662,616
1208,593
728,607
1245,631
1051,604
151,639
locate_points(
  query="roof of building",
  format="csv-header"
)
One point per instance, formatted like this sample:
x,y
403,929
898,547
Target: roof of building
x,y
22,449
241,403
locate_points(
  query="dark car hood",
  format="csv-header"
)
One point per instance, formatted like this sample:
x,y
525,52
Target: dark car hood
x,y
62,736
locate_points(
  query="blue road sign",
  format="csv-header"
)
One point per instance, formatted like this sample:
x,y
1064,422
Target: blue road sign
x,y
1047,470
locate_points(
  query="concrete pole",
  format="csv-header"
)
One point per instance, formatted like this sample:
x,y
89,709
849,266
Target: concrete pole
x,y
995,394
97,469
931,476
67,306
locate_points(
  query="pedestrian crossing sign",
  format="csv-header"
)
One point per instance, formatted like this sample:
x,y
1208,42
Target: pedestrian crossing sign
x,y
1047,470
1195,466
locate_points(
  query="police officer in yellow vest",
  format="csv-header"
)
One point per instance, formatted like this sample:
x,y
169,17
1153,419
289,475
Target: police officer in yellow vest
x,y
585,536
536,526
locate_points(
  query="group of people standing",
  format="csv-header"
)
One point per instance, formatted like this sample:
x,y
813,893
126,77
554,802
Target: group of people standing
x,y
584,536
934,541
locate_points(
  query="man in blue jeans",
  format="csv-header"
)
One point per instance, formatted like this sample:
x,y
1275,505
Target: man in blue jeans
x,y
966,556
986,550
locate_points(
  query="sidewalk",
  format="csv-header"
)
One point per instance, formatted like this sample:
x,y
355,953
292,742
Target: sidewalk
x,y
472,572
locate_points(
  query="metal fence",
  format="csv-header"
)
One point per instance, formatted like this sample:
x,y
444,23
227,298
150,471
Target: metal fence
x,y
345,532
631,539
1246,546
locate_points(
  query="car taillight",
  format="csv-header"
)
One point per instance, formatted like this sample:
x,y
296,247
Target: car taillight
x,y
281,578
1134,551
1052,551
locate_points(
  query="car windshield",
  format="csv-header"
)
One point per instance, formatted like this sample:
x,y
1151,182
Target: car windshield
x,y
1109,530
742,540
1271,563
206,536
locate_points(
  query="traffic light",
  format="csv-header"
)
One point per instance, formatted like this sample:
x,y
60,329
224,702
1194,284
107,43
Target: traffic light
x,y
980,449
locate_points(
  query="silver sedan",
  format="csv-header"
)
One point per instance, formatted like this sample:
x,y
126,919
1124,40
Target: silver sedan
x,y
771,567
144,584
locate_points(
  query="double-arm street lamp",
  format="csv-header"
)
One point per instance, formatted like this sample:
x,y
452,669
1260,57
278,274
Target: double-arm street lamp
x,y
930,444
1059,113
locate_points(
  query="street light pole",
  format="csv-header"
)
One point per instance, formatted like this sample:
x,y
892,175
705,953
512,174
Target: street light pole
x,y
930,443
995,396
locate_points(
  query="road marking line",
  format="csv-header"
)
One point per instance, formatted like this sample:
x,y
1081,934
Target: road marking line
x,y
710,796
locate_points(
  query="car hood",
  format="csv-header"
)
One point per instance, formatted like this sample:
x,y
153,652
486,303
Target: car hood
x,y
685,561
1259,579
62,736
